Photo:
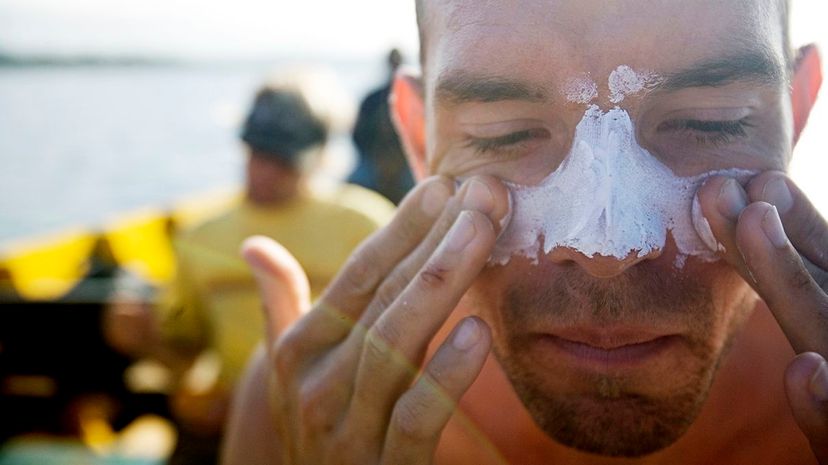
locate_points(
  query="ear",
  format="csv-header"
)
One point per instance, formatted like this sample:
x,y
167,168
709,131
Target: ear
x,y
408,115
807,80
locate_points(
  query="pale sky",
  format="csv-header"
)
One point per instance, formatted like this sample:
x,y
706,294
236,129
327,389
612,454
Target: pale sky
x,y
267,28
208,28
228,28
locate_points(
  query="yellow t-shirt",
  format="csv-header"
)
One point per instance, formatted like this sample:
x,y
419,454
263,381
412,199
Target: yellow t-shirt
x,y
214,302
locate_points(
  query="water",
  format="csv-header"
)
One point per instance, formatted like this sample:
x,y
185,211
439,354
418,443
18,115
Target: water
x,y
78,145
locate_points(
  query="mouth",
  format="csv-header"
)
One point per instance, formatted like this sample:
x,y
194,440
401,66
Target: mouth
x,y
602,349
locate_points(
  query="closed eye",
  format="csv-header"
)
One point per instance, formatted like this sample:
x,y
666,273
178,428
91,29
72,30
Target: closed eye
x,y
509,142
708,132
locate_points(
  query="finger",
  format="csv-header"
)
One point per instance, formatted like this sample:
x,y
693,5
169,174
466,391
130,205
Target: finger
x,y
282,283
422,412
747,235
803,223
484,194
780,278
395,345
806,384
721,201
354,286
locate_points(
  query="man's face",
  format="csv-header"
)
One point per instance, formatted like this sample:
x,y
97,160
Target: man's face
x,y
608,355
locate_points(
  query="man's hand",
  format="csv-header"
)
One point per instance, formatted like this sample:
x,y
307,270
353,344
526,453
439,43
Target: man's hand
x,y
347,381
778,242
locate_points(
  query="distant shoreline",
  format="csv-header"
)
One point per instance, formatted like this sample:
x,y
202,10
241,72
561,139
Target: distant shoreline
x,y
47,61
13,60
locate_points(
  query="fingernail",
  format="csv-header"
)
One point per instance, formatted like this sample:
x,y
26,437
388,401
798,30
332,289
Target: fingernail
x,y
772,226
504,222
467,335
777,193
702,226
732,199
478,197
461,233
434,199
819,383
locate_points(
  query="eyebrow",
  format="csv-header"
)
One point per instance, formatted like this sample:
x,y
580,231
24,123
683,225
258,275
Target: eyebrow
x,y
463,87
755,66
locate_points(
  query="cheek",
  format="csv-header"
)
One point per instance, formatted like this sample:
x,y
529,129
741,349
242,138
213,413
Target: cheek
x,y
486,296
733,300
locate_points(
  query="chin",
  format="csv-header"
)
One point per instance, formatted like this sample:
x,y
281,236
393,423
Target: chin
x,y
617,367
611,419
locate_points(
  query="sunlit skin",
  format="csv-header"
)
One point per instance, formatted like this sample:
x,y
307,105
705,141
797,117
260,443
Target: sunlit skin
x,y
573,359
703,306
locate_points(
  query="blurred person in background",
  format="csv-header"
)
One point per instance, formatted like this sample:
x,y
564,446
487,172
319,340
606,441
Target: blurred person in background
x,y
382,165
210,320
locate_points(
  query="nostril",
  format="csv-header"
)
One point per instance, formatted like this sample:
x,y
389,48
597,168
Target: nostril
x,y
601,266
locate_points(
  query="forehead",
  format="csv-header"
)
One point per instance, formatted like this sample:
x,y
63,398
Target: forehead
x,y
548,39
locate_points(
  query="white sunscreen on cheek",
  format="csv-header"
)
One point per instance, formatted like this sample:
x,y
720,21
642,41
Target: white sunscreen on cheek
x,y
608,197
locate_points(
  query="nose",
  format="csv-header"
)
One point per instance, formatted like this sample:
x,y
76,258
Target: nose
x,y
601,266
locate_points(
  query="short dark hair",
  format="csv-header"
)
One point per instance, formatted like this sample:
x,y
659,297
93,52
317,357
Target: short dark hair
x,y
283,125
784,16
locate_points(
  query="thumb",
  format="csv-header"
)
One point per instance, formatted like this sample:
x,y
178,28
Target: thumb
x,y
283,285
806,383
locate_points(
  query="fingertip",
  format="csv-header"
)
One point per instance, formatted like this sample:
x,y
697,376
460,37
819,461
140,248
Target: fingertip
x,y
759,229
274,266
485,234
436,192
471,332
266,256
488,195
774,188
253,249
715,211
709,189
806,385
808,374
802,369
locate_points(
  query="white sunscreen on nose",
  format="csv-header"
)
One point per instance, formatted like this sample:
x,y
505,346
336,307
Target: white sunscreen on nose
x,y
609,197
625,81
581,90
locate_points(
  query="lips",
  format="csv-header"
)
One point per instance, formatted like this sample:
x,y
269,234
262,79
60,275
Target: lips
x,y
605,348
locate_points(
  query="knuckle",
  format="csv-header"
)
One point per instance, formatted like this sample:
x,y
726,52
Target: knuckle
x,y
361,274
407,228
408,417
347,448
432,275
800,279
379,342
314,411
389,290
287,354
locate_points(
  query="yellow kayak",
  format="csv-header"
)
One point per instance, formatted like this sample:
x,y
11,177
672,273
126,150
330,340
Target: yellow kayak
x,y
49,266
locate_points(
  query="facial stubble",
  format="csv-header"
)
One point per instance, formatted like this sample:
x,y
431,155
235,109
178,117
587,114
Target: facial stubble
x,y
614,417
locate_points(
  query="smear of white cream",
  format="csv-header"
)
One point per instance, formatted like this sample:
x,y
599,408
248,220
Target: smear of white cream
x,y
624,81
581,90
609,197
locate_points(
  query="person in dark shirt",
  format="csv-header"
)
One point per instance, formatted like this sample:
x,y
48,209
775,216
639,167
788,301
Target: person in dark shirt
x,y
382,166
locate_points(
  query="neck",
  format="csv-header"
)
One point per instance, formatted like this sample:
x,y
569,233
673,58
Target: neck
x,y
272,196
